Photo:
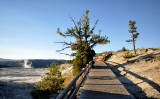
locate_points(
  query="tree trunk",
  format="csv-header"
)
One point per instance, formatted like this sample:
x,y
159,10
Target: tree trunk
x,y
134,45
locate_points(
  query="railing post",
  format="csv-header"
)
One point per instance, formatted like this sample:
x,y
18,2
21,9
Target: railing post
x,y
89,67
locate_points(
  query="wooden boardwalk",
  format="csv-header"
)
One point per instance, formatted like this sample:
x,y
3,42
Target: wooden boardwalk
x,y
101,83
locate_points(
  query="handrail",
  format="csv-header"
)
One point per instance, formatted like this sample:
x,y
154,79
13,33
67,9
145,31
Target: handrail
x,y
71,90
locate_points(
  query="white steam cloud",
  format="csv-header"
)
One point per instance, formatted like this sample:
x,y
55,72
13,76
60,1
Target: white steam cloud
x,y
27,64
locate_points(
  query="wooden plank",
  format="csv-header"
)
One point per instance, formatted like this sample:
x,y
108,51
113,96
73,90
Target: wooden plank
x,y
102,84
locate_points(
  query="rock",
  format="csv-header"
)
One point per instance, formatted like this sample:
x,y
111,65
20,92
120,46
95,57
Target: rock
x,y
104,57
123,73
66,69
130,61
120,69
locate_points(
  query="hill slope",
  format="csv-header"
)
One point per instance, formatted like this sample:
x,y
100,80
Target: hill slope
x,y
140,74
36,63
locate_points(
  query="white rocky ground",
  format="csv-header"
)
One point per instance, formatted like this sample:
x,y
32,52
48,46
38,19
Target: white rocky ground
x,y
17,83
66,69
22,75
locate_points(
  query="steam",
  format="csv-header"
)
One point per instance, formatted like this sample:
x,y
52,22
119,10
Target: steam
x,y
26,64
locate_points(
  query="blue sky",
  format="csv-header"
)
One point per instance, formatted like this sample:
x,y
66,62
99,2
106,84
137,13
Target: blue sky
x,y
28,27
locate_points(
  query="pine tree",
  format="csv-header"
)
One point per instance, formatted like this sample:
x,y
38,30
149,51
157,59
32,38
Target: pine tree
x,y
53,81
85,41
132,30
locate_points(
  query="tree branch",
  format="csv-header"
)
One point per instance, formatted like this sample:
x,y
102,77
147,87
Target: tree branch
x,y
91,31
63,49
64,43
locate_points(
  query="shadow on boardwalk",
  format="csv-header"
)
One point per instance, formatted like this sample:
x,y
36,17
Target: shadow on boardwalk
x,y
90,94
130,85
101,83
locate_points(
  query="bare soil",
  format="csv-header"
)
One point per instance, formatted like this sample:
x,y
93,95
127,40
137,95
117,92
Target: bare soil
x,y
140,74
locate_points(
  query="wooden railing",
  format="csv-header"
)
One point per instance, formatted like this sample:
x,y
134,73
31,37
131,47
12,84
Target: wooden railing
x,y
71,90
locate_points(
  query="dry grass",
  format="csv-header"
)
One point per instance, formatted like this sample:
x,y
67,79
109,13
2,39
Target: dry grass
x,y
157,58
68,79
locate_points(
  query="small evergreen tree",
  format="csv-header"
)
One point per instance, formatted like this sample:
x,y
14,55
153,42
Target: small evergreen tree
x,y
85,40
53,82
123,49
132,30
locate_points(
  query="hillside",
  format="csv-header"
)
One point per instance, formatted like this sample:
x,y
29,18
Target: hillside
x,y
140,74
36,63
2,59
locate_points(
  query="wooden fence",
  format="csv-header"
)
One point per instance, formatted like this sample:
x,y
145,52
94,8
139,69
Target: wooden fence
x,y
71,90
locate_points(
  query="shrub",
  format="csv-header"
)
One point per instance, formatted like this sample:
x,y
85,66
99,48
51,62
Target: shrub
x,y
60,63
158,58
52,83
127,55
153,57
69,61
45,66
40,94
123,49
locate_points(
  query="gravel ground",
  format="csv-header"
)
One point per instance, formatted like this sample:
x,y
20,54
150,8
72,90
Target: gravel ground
x,y
17,83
